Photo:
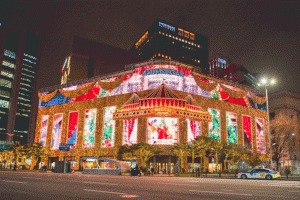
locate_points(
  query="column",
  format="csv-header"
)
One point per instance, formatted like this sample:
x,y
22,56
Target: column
x,y
154,164
253,130
223,128
240,134
169,165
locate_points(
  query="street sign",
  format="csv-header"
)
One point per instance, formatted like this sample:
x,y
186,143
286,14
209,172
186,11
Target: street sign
x,y
64,147
5,145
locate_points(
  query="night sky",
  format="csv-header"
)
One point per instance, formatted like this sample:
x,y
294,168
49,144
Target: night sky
x,y
260,35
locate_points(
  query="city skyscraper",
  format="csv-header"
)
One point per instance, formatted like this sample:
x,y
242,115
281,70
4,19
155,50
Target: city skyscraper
x,y
18,70
164,40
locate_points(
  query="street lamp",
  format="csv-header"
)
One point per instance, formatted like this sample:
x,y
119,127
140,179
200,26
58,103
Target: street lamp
x,y
266,83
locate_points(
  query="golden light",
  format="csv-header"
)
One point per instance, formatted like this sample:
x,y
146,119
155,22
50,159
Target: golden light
x,y
273,81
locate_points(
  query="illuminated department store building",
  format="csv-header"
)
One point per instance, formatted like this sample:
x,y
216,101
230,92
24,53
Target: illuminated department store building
x,y
158,102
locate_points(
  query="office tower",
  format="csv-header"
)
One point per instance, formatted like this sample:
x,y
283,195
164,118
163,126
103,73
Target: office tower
x,y
18,72
164,40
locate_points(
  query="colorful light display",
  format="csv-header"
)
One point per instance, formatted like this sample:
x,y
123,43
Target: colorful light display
x,y
231,126
89,128
162,130
72,129
194,129
44,130
108,139
56,132
260,135
247,132
130,131
214,125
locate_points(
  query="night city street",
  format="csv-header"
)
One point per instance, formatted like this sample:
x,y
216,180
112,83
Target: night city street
x,y
193,99
16,185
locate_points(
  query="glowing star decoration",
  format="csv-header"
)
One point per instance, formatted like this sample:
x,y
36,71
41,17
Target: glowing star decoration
x,y
108,139
44,130
162,130
194,129
72,129
130,131
214,125
56,131
231,126
89,128
260,135
247,132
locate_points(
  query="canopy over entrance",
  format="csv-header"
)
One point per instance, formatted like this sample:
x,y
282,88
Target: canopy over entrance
x,y
123,166
162,102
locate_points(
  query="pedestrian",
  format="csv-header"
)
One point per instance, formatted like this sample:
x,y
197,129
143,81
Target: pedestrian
x,y
148,170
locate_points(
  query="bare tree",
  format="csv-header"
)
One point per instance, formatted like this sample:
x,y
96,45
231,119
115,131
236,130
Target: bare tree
x,y
281,138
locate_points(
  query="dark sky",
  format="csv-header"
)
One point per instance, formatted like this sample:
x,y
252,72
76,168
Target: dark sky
x,y
260,35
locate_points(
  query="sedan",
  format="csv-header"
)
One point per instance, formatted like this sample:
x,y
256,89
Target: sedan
x,y
260,173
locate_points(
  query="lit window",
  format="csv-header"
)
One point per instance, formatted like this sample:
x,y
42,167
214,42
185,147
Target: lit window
x,y
7,73
4,93
163,55
4,104
159,54
176,38
8,64
198,45
163,33
180,32
192,36
159,32
5,83
10,54
186,34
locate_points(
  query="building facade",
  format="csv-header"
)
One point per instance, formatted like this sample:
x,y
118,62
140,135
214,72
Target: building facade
x,y
158,102
287,103
18,70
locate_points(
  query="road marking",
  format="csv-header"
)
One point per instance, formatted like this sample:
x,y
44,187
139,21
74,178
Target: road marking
x,y
105,192
13,181
221,192
129,196
98,183
31,177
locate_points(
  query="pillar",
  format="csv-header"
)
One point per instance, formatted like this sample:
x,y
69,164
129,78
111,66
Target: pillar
x,y
223,128
240,129
154,164
169,165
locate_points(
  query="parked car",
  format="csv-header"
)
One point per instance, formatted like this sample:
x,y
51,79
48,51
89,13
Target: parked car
x,y
260,173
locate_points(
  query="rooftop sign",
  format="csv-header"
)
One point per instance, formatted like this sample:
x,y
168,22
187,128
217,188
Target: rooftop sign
x,y
162,71
166,26
221,61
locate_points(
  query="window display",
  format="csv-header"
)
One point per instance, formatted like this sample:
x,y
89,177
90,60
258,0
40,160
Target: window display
x,y
260,135
130,131
194,129
44,130
162,130
214,125
89,128
72,129
231,127
247,132
108,127
56,132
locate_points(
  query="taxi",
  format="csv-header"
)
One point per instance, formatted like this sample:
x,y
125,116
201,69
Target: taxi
x,y
260,173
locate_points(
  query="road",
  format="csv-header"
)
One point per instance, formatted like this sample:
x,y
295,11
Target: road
x,y
22,185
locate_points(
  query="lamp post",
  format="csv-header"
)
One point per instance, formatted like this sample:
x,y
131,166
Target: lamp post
x,y
266,83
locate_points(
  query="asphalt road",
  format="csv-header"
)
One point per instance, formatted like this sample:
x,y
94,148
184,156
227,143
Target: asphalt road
x,y
22,185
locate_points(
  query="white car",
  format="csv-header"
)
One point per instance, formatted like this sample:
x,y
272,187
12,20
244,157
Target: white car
x,y
260,173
